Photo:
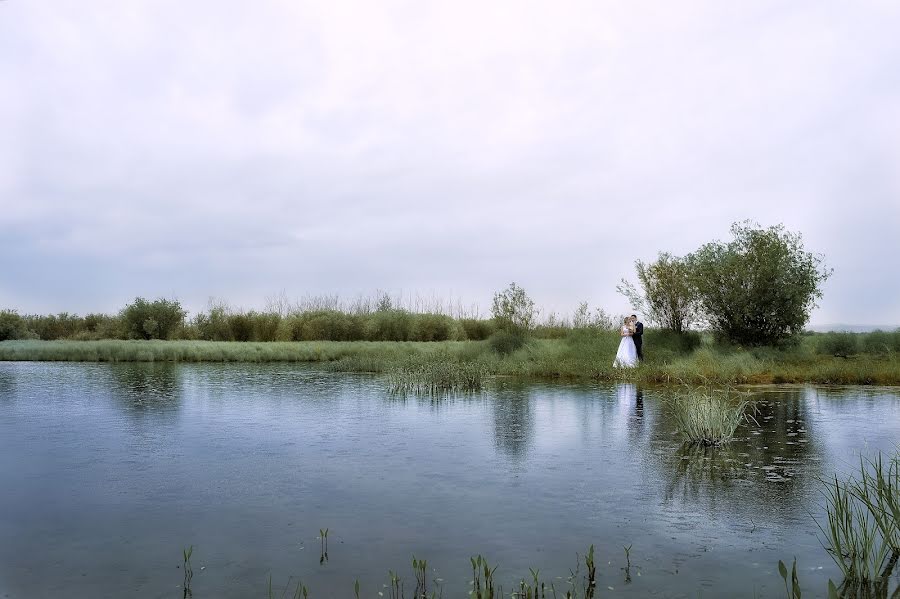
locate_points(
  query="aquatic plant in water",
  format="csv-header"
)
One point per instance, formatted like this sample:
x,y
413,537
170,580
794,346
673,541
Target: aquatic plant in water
x,y
710,416
437,375
862,526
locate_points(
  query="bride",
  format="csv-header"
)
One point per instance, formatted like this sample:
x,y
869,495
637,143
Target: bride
x,y
626,357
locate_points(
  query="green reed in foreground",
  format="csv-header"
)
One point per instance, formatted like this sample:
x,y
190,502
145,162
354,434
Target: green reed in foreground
x,y
862,526
709,417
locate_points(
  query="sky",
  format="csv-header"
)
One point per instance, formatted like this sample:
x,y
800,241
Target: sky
x,y
241,150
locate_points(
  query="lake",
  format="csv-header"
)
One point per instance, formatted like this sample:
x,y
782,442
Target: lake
x,y
109,470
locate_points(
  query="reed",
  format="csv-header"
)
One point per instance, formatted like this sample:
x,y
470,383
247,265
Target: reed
x,y
708,417
862,526
437,375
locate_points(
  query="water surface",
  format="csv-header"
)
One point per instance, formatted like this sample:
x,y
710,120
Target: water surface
x,y
108,471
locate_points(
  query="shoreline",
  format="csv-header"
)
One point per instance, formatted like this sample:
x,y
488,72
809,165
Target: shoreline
x,y
543,359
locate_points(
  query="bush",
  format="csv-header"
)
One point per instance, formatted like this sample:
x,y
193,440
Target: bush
x,y
666,339
389,325
477,329
506,342
327,325
158,319
513,310
841,345
241,326
433,327
55,326
214,326
881,342
12,326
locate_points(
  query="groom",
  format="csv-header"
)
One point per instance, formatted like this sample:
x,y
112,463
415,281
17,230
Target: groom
x,y
638,337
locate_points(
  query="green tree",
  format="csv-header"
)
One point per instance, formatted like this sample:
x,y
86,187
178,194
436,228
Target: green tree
x,y
152,320
667,297
759,288
513,310
12,326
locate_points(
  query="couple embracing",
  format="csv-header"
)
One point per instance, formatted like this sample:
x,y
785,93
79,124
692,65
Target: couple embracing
x,y
631,346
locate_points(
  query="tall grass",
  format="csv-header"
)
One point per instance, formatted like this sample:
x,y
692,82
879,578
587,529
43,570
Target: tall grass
x,y
862,526
708,417
578,356
437,375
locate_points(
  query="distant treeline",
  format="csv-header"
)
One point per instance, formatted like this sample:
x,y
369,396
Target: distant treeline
x,y
167,320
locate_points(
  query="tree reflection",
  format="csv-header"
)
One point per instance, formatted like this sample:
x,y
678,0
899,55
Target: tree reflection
x,y
146,387
773,462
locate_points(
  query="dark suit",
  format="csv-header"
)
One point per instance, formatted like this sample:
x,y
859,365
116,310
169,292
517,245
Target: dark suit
x,y
638,337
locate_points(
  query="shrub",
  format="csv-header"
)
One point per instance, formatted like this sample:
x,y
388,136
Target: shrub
x,y
505,342
55,326
12,326
666,339
432,327
265,326
842,345
389,325
241,326
881,342
477,329
214,326
152,320
513,310
326,325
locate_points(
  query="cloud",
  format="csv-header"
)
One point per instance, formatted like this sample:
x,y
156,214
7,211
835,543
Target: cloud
x,y
234,150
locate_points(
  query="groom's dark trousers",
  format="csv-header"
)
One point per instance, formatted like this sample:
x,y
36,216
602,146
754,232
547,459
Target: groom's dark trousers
x,y
638,337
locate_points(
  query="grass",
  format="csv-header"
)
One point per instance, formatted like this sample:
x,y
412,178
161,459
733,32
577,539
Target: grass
x,y
577,357
862,526
708,417
437,375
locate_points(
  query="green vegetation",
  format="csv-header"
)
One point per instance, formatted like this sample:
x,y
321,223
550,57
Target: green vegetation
x,y
759,288
12,326
708,416
862,526
437,374
580,355
756,290
669,296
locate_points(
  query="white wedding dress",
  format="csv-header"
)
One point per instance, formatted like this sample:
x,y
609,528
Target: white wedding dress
x,y
626,357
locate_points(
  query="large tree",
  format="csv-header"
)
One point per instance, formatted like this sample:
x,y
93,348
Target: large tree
x,y
760,287
667,297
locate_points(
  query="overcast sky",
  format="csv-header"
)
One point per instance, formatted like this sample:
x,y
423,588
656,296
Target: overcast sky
x,y
237,149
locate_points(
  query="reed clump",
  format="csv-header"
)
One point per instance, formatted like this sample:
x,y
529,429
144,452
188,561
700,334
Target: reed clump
x,y
862,526
709,417
437,375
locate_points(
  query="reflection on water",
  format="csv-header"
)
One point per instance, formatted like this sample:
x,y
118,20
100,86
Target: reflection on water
x,y
513,419
110,470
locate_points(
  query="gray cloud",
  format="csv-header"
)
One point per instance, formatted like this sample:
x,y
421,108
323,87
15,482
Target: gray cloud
x,y
233,149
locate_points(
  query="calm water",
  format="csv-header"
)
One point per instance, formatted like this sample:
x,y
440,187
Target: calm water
x,y
108,471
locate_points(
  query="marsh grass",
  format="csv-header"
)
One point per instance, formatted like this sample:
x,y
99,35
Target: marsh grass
x,y
709,417
862,526
436,375
581,356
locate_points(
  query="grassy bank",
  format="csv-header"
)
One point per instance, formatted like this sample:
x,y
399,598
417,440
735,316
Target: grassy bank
x,y
587,357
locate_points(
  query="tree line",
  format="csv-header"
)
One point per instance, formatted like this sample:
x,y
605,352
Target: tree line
x,y
756,289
